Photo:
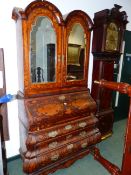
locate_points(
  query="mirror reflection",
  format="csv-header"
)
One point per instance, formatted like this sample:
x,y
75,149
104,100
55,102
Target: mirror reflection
x,y
42,51
76,53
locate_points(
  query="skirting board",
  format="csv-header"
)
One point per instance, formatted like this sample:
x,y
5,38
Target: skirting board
x,y
13,158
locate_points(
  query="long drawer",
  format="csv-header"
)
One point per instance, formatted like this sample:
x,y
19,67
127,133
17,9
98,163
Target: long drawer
x,y
34,159
64,129
47,147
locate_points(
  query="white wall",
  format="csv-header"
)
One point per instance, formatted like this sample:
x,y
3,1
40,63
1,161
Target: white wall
x,y
8,42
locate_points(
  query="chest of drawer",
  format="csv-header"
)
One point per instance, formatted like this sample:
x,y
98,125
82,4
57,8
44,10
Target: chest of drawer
x,y
66,129
58,151
48,145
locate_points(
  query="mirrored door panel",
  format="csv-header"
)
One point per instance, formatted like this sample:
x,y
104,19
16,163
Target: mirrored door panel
x,y
42,51
76,53
54,52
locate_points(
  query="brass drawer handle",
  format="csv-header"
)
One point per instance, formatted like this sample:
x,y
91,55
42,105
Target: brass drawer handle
x,y
55,157
68,127
53,145
70,146
53,134
83,133
69,136
84,145
82,124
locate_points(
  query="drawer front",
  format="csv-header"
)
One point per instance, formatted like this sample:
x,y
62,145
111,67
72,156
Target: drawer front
x,y
60,130
46,158
47,111
62,139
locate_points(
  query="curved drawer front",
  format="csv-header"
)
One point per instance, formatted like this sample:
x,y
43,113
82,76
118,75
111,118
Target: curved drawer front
x,y
47,111
60,130
47,145
45,158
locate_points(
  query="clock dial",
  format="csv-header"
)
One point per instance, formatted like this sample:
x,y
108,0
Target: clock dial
x,y
112,37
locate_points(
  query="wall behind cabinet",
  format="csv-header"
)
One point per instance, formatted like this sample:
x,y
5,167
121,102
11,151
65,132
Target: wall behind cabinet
x,y
8,42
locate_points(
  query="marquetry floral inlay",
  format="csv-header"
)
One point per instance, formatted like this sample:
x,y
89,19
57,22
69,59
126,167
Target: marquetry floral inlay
x,y
62,97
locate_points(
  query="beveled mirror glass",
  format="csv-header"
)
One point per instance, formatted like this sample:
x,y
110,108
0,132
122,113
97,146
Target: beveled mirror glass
x,y
76,53
42,51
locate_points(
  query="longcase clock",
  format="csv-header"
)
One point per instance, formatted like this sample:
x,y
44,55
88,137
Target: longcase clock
x,y
108,30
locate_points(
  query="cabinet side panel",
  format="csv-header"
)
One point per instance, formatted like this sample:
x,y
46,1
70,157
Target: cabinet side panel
x,y
97,39
23,137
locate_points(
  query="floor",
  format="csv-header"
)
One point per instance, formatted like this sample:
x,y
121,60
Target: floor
x,y
111,149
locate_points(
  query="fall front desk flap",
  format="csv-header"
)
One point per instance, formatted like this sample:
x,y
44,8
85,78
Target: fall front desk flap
x,y
50,110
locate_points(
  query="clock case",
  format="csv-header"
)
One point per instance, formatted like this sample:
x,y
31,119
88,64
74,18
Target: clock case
x,y
102,19
104,61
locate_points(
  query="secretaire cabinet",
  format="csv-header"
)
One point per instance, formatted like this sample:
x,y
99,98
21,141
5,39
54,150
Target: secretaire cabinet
x,y
56,111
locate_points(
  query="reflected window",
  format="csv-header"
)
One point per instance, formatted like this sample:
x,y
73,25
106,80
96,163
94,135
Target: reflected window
x,y
42,51
76,53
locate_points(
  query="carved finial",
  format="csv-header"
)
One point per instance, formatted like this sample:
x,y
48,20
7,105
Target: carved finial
x,y
17,13
117,6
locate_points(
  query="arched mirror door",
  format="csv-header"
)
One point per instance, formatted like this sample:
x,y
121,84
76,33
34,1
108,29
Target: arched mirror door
x,y
76,53
41,37
43,51
55,52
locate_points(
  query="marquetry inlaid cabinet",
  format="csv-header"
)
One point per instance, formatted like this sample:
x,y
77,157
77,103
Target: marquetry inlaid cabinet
x,y
56,111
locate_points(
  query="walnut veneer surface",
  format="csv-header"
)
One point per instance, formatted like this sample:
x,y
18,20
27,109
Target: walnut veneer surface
x,y
56,130
57,118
